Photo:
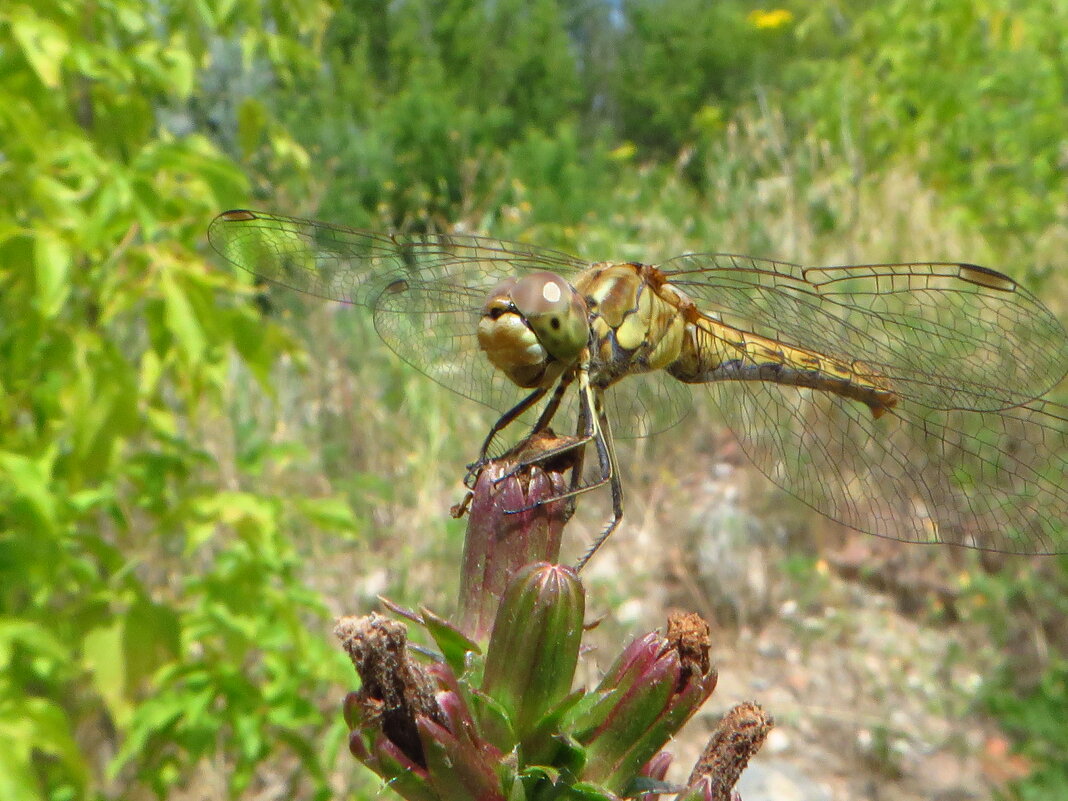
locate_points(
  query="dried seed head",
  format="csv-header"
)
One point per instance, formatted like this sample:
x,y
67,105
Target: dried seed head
x,y
395,691
736,738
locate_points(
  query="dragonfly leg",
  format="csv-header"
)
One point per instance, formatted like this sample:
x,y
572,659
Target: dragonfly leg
x,y
592,426
549,411
543,456
606,454
502,423
585,432
542,424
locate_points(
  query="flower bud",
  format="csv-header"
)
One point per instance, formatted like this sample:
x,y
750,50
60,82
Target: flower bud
x,y
501,538
534,646
653,774
654,687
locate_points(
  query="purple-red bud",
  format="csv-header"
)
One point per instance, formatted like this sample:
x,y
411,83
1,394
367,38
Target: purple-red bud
x,y
500,538
655,686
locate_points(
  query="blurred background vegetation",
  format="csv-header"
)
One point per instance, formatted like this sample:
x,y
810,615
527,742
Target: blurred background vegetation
x,y
187,497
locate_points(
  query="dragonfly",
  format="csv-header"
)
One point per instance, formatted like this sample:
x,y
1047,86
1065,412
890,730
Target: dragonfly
x,y
909,401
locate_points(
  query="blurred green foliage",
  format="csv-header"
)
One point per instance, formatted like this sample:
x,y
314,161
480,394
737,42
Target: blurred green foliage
x,y
154,614
1035,717
158,621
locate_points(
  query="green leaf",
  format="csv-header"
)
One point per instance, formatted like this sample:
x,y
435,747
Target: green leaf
x,y
181,319
18,778
43,726
107,411
645,784
239,509
546,742
332,514
181,69
587,791
30,482
452,642
251,125
52,258
517,792
43,43
33,637
153,719
494,722
547,772
102,656
151,637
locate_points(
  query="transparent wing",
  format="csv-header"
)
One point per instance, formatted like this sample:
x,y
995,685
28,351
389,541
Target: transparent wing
x,y
425,291
433,327
970,455
993,480
645,404
426,295
948,336
355,266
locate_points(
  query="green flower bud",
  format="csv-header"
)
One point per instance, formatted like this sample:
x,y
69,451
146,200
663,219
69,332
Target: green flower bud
x,y
534,646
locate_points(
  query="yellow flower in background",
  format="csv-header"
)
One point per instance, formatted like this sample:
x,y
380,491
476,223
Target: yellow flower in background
x,y
708,119
767,20
624,152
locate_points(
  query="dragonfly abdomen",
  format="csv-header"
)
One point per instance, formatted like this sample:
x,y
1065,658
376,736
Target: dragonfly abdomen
x,y
714,351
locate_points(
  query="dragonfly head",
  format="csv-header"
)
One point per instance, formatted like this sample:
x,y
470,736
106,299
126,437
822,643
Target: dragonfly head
x,y
532,327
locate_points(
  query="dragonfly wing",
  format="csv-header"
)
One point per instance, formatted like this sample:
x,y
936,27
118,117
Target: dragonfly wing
x,y
439,339
639,406
948,336
991,480
647,404
354,266
426,292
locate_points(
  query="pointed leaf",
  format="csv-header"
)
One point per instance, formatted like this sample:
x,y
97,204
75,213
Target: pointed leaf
x,y
52,260
453,643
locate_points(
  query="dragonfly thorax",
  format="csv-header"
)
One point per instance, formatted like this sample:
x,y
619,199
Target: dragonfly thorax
x,y
533,328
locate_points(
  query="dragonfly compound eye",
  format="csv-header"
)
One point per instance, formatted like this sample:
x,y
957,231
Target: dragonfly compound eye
x,y
555,312
508,341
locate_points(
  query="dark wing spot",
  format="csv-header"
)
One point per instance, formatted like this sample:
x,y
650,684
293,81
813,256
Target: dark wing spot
x,y
554,323
237,215
985,277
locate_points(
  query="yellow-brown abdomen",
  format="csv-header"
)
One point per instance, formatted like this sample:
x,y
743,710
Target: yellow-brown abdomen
x,y
714,351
